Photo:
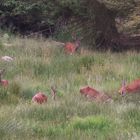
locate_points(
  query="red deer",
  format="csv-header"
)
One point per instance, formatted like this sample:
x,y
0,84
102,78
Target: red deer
x,y
3,82
132,87
39,98
71,47
93,94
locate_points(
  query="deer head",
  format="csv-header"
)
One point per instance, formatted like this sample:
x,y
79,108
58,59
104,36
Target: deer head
x,y
122,91
77,40
53,92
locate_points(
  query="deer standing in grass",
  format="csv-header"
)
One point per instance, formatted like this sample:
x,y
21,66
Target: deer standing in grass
x,y
39,98
71,47
132,87
95,95
3,82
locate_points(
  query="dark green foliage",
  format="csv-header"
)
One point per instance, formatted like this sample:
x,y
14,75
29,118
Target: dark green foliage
x,y
25,16
62,17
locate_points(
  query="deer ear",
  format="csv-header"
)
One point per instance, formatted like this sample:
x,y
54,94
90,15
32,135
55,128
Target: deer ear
x,y
53,87
123,92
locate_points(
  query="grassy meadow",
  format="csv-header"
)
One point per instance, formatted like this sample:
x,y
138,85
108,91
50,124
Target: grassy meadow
x,y
38,64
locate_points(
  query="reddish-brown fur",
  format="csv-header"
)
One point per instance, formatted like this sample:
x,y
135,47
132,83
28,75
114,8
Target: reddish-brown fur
x,y
4,83
93,94
89,92
71,47
39,98
132,87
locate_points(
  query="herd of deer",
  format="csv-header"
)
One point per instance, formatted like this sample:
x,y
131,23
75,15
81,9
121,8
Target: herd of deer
x,y
88,92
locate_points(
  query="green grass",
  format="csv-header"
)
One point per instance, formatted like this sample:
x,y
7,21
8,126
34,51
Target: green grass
x,y
38,65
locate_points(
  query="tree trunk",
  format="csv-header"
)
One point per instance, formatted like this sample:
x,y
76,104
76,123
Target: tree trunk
x,y
105,28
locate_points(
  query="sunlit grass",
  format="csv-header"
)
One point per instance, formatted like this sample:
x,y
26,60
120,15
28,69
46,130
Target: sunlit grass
x,y
38,65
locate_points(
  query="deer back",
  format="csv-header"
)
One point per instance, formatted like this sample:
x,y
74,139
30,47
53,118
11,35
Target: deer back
x,y
132,87
39,98
89,92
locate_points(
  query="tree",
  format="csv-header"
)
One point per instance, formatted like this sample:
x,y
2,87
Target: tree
x,y
104,18
103,13
94,20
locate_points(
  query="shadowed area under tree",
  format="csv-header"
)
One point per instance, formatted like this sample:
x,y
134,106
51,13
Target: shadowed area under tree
x,y
94,20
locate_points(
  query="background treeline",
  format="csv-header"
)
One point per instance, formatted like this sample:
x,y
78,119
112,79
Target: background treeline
x,y
92,20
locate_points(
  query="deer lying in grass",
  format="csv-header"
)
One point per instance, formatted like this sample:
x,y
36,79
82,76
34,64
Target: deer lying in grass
x,y
7,58
3,82
95,95
39,98
132,87
42,98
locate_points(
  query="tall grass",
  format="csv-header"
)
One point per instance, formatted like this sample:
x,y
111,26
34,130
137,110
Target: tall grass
x,y
38,65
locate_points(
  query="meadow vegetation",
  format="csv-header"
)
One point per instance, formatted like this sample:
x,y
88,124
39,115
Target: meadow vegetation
x,y
38,65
